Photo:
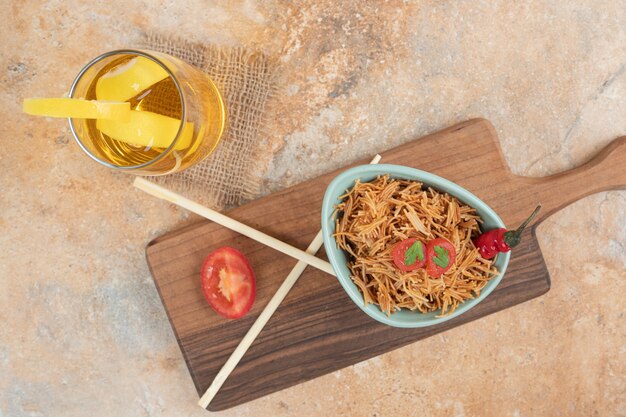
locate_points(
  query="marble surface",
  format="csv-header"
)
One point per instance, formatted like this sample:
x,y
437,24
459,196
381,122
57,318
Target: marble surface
x,y
83,331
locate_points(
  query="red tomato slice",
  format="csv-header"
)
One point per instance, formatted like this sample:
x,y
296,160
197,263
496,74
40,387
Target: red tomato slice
x,y
228,282
399,254
440,256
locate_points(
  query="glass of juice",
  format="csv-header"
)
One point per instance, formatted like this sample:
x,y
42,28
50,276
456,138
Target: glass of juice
x,y
177,113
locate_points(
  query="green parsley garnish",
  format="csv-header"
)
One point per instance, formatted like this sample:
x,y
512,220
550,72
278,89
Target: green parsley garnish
x,y
416,251
442,259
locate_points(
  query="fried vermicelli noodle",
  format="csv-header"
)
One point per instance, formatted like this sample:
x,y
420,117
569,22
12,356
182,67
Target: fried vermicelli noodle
x,y
374,216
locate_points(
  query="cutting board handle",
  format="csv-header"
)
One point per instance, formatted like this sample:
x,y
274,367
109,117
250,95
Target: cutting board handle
x,y
605,171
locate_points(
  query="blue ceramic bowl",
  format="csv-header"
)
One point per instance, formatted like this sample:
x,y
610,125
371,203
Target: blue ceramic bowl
x,y
338,258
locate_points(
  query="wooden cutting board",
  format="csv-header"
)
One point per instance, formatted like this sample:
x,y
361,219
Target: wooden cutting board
x,y
317,329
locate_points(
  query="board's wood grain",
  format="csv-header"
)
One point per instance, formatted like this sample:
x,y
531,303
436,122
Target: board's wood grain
x,y
317,329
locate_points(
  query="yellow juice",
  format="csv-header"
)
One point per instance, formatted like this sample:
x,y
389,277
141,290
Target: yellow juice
x,y
177,113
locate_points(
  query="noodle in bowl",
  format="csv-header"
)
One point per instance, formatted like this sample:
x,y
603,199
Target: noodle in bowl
x,y
370,208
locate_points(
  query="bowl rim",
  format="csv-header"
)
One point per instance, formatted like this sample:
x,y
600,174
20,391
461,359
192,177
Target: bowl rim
x,y
331,198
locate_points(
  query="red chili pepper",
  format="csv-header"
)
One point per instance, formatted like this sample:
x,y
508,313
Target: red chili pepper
x,y
501,240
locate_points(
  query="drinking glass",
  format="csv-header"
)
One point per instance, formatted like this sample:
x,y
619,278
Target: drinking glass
x,y
176,121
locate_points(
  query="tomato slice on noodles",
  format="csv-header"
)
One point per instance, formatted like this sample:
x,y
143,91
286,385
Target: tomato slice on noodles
x,y
440,256
409,254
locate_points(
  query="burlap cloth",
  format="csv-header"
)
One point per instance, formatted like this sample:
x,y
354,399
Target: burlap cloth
x,y
247,80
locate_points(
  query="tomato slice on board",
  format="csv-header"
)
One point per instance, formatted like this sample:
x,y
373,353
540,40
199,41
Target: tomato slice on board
x,y
228,282
440,256
411,251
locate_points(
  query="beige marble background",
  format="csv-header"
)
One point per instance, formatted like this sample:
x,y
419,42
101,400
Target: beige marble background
x,y
82,329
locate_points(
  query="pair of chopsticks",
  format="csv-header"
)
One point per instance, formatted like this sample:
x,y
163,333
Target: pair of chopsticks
x,y
304,258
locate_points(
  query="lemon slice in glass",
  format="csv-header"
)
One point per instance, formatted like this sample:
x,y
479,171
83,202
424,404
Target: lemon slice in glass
x,y
77,108
129,79
147,129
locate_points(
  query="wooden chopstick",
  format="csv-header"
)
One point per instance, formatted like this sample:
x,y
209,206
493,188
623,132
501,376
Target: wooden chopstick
x,y
258,325
165,194
262,320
